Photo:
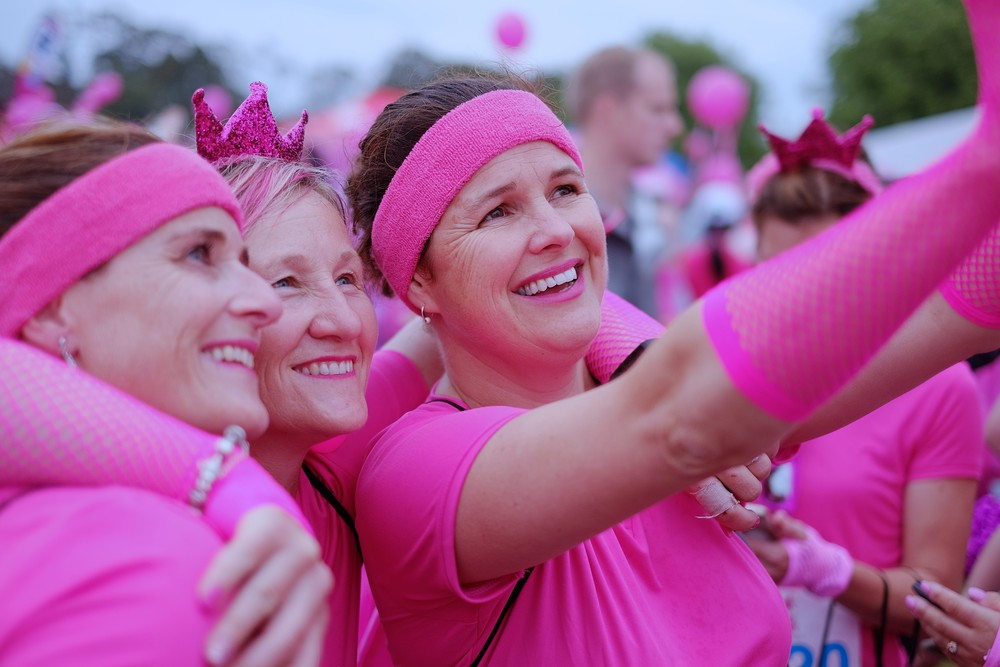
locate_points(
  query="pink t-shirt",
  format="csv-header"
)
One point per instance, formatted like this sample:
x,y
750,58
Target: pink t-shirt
x,y
102,576
850,484
395,385
661,588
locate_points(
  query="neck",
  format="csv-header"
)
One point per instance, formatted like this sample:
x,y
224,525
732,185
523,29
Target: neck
x,y
280,458
609,177
480,381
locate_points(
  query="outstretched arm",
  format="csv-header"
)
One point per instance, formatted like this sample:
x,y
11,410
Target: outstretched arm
x,y
731,376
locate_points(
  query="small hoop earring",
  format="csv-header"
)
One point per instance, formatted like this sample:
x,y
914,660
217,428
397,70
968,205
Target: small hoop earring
x,y
66,354
426,318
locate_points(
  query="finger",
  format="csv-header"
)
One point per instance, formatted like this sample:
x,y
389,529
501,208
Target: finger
x,y
970,641
760,467
312,645
738,518
990,600
259,598
784,525
304,608
713,496
959,608
741,482
250,546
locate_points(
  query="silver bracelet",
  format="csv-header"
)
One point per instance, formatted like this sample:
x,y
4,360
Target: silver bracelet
x,y
233,440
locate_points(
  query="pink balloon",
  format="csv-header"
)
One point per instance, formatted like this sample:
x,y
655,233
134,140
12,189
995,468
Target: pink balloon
x,y
718,97
511,30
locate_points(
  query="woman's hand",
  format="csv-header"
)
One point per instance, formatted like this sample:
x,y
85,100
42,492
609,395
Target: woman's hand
x,y
271,587
965,629
724,495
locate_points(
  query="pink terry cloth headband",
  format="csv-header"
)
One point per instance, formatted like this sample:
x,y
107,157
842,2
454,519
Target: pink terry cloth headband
x,y
443,161
95,217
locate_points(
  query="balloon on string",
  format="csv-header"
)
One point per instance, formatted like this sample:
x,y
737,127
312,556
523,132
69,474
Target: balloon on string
x,y
511,30
718,97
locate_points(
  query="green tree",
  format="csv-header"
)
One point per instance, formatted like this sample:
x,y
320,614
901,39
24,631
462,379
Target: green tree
x,y
690,56
159,68
902,59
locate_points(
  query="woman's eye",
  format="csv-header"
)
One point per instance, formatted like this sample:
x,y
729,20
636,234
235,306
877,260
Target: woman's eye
x,y
495,214
282,282
201,253
564,190
348,279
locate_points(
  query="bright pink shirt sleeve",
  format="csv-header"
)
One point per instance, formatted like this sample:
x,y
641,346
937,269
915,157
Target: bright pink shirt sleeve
x,y
102,577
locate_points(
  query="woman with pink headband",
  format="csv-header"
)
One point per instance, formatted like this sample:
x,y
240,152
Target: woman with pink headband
x,y
149,293
521,517
314,362
867,510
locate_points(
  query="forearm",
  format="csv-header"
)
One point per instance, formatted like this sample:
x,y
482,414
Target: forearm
x,y
933,339
866,592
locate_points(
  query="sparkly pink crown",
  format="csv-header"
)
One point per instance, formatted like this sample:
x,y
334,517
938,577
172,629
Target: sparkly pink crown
x,y
819,142
818,146
251,130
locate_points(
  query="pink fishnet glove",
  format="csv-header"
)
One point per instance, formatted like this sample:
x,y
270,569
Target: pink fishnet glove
x,y
794,330
60,426
973,290
821,567
623,329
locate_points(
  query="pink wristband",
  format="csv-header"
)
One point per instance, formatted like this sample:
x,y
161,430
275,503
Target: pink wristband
x,y
822,567
245,487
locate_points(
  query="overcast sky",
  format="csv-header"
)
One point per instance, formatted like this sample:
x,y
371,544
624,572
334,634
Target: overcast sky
x,y
784,43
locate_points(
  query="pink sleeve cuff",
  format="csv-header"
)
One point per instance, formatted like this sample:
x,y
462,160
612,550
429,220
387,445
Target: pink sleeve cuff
x,y
244,488
824,568
993,657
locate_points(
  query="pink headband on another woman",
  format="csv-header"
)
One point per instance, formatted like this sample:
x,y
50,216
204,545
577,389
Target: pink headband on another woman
x,y
443,161
95,217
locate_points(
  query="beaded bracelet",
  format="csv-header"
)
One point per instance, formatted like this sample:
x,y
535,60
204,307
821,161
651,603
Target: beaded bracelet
x,y
233,441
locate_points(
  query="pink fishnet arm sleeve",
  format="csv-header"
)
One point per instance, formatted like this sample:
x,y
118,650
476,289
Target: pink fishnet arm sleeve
x,y
624,328
973,290
794,330
59,426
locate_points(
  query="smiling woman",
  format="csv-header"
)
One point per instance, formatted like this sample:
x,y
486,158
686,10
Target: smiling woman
x,y
523,516
147,293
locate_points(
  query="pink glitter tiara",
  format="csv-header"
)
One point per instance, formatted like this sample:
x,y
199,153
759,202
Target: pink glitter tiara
x,y
818,146
251,130
819,142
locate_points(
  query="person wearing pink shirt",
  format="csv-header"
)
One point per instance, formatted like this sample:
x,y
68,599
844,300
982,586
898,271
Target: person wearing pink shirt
x,y
123,257
886,500
326,388
522,515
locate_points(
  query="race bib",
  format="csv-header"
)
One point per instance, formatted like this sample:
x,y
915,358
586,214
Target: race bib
x,y
842,645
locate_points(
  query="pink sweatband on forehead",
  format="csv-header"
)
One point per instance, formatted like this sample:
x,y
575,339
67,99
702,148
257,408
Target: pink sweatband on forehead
x,y
768,166
95,217
443,161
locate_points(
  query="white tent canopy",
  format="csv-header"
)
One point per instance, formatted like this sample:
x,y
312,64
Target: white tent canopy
x,y
900,150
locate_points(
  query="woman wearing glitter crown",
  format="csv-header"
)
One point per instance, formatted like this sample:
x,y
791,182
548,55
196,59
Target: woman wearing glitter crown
x,y
313,363
887,499
147,292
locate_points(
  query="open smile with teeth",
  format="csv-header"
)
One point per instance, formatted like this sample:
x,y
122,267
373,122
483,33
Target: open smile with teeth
x,y
564,280
326,368
233,354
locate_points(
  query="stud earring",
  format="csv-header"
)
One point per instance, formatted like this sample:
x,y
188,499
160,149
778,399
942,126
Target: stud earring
x,y
66,354
426,318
